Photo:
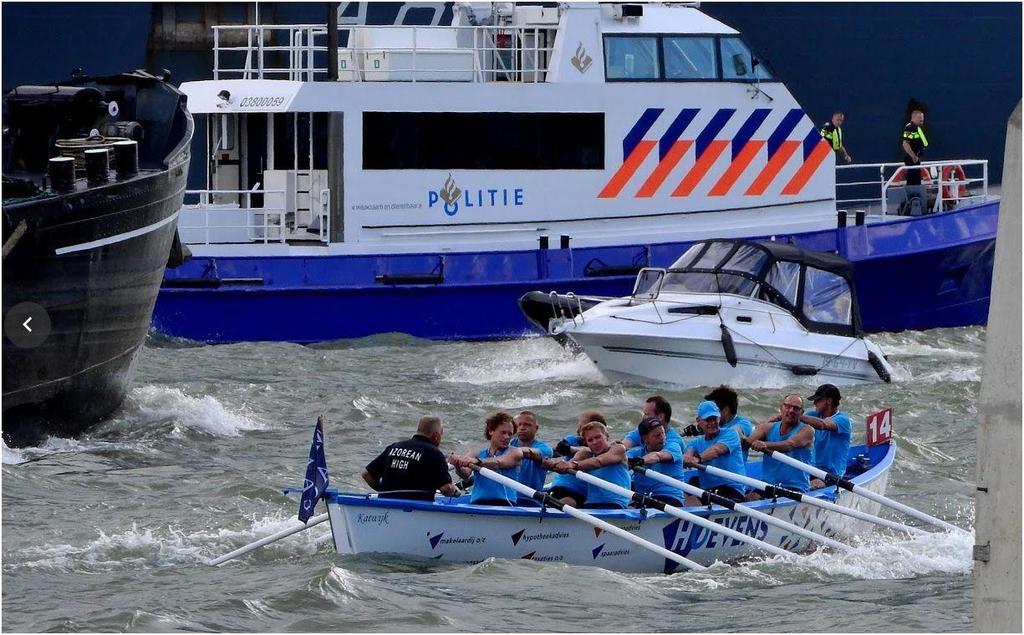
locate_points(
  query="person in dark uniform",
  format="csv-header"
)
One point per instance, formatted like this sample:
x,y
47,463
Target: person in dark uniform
x,y
832,132
413,469
914,145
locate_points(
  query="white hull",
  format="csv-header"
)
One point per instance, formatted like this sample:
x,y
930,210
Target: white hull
x,y
467,533
648,341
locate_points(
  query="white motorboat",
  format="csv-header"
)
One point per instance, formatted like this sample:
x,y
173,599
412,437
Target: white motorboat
x,y
730,311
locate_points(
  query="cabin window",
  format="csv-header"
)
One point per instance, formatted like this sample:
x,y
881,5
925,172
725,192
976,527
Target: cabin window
x,y
688,256
690,58
785,277
738,61
748,259
827,297
483,141
714,255
631,57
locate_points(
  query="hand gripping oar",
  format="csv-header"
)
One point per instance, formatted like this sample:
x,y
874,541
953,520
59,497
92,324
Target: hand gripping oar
x,y
832,479
772,491
284,533
708,498
710,525
569,510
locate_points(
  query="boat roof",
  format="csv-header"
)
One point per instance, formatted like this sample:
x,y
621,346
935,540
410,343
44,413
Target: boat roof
x,y
819,304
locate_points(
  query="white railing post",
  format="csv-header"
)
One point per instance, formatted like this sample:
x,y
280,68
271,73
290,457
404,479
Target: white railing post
x,y
216,53
415,50
259,52
984,176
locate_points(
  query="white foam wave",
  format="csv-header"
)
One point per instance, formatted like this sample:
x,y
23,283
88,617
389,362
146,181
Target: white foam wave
x,y
150,547
953,374
50,447
531,360
880,556
185,412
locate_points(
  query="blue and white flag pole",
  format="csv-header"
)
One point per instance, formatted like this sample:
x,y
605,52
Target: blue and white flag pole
x,y
313,488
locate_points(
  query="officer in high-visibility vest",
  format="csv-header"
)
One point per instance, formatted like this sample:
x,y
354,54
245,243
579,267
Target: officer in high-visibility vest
x,y
832,132
914,145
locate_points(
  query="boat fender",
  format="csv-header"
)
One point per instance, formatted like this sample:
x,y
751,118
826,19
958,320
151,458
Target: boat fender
x,y
804,371
879,367
729,346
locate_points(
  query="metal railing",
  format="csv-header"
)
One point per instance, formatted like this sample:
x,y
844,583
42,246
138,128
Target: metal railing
x,y
385,53
876,187
229,222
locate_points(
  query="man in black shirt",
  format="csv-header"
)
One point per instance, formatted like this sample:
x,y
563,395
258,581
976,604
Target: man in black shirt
x,y
914,144
413,469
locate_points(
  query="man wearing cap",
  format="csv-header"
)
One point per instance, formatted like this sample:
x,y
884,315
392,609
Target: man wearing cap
x,y
719,447
832,432
728,403
658,455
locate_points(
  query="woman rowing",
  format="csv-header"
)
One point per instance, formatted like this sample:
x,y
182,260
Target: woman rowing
x,y
498,456
603,459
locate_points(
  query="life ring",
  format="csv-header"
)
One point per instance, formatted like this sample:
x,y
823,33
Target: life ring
x,y
952,190
899,177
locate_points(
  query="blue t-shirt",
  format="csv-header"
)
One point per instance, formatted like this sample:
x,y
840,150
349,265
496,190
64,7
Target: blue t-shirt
x,y
831,449
643,484
485,488
532,473
671,436
617,473
745,428
777,472
568,481
732,461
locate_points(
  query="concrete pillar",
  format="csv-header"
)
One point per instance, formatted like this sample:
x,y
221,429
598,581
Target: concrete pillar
x,y
997,551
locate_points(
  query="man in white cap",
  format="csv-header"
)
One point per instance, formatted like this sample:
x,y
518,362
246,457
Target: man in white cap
x,y
719,447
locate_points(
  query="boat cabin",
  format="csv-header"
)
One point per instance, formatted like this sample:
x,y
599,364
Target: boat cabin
x,y
815,287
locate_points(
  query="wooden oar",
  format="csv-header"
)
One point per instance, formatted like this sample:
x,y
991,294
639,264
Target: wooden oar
x,y
569,510
709,498
832,479
710,525
773,491
284,533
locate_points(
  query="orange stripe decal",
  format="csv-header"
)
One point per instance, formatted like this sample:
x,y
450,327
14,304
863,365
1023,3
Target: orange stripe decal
x,y
807,170
738,166
770,171
654,181
628,167
700,168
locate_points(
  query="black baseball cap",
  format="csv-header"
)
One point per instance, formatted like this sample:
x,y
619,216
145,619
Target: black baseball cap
x,y
647,424
826,390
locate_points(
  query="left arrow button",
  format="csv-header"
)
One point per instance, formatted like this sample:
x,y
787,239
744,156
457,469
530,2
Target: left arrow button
x,y
26,325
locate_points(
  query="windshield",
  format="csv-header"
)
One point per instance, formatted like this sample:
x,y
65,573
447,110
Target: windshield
x,y
827,297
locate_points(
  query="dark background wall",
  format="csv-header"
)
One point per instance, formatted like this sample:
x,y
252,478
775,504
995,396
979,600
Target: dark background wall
x,y
961,60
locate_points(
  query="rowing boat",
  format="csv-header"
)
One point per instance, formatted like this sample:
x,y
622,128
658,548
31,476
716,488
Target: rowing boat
x,y
451,529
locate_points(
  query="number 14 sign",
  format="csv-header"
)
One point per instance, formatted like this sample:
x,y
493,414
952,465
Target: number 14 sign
x,y
880,427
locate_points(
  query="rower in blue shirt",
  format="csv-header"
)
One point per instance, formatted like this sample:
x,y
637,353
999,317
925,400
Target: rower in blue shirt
x,y
728,403
785,433
655,406
658,455
602,459
719,447
832,432
531,471
566,487
497,456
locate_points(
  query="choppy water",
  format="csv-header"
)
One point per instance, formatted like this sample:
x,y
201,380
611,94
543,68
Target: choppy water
x,y
110,532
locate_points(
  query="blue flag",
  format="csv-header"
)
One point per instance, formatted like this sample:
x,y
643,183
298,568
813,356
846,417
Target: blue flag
x,y
315,484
